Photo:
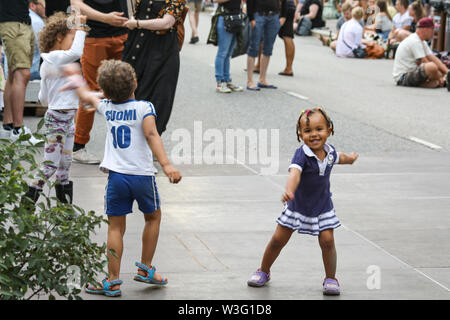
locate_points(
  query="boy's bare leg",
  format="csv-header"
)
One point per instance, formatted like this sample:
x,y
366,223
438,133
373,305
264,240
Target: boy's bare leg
x,y
279,239
150,237
329,256
116,230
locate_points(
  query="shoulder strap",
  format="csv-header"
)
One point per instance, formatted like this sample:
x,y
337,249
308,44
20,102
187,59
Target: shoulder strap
x,y
343,40
131,6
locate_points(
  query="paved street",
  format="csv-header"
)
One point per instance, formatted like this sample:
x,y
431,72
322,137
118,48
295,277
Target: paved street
x,y
393,202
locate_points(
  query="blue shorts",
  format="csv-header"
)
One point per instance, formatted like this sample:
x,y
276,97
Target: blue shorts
x,y
123,189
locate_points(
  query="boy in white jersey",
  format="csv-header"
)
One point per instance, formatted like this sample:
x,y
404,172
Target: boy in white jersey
x,y
129,161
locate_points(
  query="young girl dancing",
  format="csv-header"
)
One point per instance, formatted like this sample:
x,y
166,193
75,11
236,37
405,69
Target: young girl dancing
x,y
308,208
59,45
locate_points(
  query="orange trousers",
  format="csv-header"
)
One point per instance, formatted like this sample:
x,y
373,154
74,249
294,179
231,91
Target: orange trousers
x,y
95,51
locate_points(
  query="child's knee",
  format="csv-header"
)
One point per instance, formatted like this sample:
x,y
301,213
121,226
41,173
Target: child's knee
x,y
326,241
153,217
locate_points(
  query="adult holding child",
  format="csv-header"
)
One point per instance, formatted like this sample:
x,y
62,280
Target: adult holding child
x,y
152,49
104,41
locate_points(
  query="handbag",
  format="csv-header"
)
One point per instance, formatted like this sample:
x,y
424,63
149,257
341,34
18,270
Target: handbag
x,y
234,23
243,40
374,51
180,27
360,52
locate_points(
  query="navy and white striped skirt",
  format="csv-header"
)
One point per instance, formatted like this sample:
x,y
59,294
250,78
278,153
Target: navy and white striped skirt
x,y
308,225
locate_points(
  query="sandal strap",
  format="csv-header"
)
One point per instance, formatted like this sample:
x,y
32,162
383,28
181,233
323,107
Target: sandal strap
x,y
143,267
107,284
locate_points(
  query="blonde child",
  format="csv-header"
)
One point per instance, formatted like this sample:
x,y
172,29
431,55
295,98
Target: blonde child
x,y
61,42
131,141
308,207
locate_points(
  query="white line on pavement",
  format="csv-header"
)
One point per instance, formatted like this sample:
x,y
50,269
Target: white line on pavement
x,y
426,143
398,259
297,95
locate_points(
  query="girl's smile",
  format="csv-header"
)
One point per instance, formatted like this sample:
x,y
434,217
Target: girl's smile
x,y
315,133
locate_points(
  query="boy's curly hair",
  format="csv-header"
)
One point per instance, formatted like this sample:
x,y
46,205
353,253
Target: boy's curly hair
x,y
56,25
117,80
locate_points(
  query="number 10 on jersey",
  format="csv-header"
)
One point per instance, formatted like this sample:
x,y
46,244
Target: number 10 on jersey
x,y
121,137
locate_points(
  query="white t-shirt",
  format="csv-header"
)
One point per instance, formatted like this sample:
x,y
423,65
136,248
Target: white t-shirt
x,y
350,37
401,20
126,149
52,78
408,52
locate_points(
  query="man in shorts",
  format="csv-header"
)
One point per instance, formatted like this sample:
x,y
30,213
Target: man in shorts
x,y
415,64
195,6
18,43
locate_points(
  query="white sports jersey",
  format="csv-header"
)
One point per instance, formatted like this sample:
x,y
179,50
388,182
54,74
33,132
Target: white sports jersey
x,y
126,149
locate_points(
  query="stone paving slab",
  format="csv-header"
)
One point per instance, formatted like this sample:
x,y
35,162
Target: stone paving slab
x,y
215,228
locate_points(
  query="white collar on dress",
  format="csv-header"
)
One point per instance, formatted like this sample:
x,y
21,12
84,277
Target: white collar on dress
x,y
329,159
310,153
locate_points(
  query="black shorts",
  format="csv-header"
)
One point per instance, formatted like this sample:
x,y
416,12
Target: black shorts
x,y
287,30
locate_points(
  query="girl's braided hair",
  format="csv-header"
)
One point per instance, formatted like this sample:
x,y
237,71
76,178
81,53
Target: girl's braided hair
x,y
307,113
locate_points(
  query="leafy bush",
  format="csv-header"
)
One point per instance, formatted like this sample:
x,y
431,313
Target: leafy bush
x,y
43,247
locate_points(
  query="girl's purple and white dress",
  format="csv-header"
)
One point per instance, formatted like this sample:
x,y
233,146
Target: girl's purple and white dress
x,y
311,211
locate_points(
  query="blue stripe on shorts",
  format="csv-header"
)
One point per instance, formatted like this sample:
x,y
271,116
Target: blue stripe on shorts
x,y
123,189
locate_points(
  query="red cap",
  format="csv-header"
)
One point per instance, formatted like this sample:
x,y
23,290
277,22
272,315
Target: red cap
x,y
425,23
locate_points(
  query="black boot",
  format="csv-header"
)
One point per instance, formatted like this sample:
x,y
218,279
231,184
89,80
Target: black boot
x,y
32,193
63,190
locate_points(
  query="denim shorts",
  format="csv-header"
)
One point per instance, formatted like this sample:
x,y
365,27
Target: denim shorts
x,y
123,189
266,28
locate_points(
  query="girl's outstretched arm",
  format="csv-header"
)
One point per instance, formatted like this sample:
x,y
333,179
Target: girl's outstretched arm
x,y
292,184
347,158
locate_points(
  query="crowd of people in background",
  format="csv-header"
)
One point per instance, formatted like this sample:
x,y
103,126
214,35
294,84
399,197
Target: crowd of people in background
x,y
361,26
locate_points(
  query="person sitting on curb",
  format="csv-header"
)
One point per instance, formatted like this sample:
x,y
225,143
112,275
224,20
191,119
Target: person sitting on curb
x,y
346,16
415,64
309,16
351,35
401,21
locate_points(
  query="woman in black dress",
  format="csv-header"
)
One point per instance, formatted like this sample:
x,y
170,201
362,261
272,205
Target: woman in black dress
x,y
152,49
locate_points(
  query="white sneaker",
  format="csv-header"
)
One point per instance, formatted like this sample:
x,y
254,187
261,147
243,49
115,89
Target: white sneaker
x,y
5,134
82,156
24,130
222,87
234,88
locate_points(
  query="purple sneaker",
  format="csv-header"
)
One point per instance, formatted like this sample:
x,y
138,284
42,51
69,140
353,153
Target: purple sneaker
x,y
258,279
331,287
